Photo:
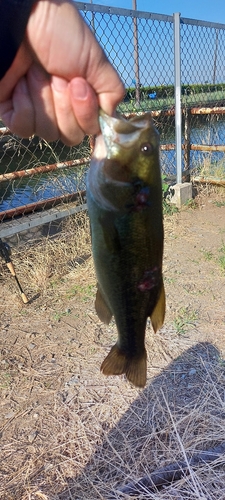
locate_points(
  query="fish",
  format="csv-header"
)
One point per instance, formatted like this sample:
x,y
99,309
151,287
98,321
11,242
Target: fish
x,y
124,199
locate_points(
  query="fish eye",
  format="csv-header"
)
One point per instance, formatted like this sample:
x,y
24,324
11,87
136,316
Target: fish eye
x,y
146,149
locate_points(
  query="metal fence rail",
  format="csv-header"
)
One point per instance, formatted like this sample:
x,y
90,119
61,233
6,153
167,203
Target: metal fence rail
x,y
142,46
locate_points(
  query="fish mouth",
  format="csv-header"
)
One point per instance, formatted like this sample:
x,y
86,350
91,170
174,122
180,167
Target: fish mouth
x,y
119,132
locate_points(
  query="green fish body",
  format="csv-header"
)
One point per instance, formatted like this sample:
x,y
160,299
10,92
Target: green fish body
x,y
124,196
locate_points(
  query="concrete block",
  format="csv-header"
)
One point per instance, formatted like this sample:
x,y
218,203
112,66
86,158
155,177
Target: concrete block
x,y
181,193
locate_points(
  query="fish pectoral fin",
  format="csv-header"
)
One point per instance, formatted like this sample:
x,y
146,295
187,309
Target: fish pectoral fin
x,y
158,314
102,308
135,367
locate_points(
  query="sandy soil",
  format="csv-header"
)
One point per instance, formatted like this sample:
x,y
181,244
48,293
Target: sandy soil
x,y
68,432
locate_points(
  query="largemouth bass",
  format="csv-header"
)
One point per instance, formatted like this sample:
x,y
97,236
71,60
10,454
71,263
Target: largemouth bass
x,y
124,196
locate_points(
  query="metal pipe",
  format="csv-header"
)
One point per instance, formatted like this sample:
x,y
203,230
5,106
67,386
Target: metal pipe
x,y
37,219
215,56
92,19
187,138
216,110
194,147
136,56
41,205
204,147
176,18
154,112
42,169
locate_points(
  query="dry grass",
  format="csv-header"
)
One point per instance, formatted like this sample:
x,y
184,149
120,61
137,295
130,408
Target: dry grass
x,y
105,436
68,433
40,264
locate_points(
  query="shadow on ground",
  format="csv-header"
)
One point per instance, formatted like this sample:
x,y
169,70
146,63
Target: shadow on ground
x,y
181,412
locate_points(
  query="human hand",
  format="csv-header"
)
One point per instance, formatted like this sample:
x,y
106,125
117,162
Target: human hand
x,y
59,78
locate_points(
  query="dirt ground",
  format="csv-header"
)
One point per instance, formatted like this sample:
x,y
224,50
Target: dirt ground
x,y
66,431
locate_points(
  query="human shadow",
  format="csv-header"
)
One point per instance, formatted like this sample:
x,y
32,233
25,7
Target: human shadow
x,y
179,410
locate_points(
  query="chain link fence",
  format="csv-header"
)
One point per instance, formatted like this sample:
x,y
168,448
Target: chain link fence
x,y
203,73
34,172
36,175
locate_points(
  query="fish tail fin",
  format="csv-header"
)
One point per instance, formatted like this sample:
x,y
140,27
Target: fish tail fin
x,y
158,314
135,367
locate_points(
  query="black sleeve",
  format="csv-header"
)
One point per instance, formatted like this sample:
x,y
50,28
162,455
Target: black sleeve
x,y
14,15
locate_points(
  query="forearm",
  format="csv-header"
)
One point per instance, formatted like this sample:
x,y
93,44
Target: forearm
x,y
14,15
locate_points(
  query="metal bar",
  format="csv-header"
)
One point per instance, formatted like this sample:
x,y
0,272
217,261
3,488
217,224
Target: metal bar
x,y
35,220
209,180
92,20
39,205
194,147
187,138
167,147
203,147
102,9
136,56
43,168
154,112
215,56
177,96
217,110
205,24
208,111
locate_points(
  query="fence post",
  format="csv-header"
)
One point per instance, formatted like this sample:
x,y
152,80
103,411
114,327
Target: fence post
x,y
176,20
136,54
187,140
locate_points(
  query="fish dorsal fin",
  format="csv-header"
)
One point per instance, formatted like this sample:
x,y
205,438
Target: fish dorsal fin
x,y
102,308
158,314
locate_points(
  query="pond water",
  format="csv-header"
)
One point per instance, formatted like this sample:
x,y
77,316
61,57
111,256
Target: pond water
x,y
28,154
24,154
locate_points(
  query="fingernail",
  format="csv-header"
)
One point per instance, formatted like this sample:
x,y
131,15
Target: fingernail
x,y
59,84
79,89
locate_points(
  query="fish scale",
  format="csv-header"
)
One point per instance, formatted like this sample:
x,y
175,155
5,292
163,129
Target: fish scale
x,y
124,196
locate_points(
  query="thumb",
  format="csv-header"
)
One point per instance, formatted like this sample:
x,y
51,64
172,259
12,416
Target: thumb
x,y
85,105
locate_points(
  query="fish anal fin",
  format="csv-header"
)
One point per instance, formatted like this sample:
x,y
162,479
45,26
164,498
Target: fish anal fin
x,y
102,308
135,367
158,314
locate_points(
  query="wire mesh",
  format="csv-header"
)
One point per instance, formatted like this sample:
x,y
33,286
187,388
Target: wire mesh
x,y
202,69
34,173
141,49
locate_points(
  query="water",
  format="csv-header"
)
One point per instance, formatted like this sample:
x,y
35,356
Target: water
x,y
41,187
22,155
205,130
